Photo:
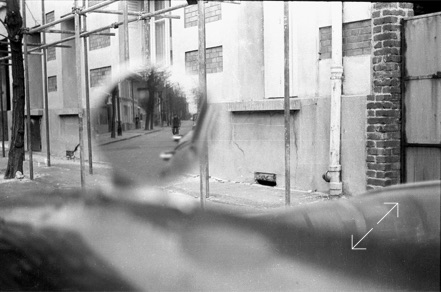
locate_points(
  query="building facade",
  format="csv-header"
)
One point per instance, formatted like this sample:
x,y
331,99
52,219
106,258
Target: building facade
x,y
105,54
345,51
245,81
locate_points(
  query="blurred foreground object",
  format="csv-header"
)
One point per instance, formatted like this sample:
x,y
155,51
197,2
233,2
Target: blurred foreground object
x,y
105,243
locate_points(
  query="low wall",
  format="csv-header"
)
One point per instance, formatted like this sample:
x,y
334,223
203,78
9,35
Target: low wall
x,y
245,142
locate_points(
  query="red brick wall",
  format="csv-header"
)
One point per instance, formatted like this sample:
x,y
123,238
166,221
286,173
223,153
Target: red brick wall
x,y
384,105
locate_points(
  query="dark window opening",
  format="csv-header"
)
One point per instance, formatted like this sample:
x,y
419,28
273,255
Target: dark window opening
x,y
426,7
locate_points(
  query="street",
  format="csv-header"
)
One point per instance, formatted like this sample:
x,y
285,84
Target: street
x,y
138,159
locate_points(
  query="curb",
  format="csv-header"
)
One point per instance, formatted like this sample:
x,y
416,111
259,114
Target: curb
x,y
128,138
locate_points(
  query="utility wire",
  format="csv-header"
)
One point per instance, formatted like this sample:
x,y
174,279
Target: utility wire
x,y
36,22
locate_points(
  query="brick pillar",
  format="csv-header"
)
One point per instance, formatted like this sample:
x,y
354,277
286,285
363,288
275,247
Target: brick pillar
x,y
384,105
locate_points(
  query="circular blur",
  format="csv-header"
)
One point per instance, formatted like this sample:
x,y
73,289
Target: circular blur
x,y
139,118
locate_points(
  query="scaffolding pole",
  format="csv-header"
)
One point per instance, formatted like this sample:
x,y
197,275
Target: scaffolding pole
x,y
287,106
3,119
146,37
28,100
45,92
33,44
86,83
204,170
141,17
9,56
79,91
132,13
77,12
52,44
73,32
70,16
128,85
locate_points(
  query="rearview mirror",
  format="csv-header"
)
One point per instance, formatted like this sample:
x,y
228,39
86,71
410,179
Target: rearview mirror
x,y
135,120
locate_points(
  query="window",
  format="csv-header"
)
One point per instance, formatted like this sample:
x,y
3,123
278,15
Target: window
x,y
212,13
356,39
50,16
94,2
134,5
98,75
99,41
51,54
214,60
52,83
160,42
160,34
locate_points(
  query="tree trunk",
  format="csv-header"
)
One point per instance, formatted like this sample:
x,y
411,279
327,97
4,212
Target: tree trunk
x,y
14,23
113,119
150,111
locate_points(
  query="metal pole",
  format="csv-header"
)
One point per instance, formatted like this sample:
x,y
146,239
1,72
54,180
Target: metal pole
x,y
204,170
45,93
52,44
142,17
146,35
3,120
79,91
128,85
287,106
118,101
113,125
334,171
28,100
73,32
132,13
70,16
86,81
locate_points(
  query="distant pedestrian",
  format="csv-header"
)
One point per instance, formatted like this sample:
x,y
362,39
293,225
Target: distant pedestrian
x,y
176,123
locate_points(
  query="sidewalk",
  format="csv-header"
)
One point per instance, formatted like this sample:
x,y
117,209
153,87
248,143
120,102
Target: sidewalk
x,y
62,175
226,195
104,139
236,196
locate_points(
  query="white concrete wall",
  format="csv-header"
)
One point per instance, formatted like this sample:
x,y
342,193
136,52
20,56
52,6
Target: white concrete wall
x,y
240,34
243,143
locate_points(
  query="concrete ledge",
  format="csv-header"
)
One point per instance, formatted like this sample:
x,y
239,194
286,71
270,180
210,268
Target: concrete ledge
x,y
67,112
262,105
37,112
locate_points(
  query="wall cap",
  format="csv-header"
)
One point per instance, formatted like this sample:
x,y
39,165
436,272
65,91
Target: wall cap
x,y
262,105
67,112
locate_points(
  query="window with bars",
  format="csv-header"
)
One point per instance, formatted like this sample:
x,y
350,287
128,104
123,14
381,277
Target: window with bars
x,y
51,54
98,75
214,60
52,83
50,16
213,12
160,42
99,41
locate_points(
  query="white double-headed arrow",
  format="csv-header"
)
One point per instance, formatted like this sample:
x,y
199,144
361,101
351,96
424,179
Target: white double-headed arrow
x,y
354,247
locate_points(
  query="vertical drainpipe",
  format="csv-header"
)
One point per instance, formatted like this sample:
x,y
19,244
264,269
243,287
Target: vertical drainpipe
x,y
334,171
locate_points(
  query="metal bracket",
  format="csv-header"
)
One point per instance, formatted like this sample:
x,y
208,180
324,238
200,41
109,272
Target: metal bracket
x,y
77,10
437,75
24,30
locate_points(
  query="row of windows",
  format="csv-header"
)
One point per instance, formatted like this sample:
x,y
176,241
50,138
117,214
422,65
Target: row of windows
x,y
97,76
214,64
